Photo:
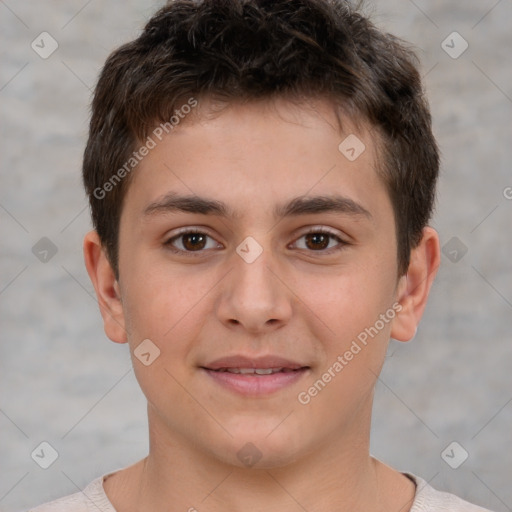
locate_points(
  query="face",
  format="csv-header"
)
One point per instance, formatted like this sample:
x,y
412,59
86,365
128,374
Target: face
x,y
261,263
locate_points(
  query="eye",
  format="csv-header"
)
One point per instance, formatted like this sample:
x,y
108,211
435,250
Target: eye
x,y
321,240
195,241
191,241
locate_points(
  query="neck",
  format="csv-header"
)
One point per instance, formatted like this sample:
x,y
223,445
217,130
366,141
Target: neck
x,y
323,481
340,475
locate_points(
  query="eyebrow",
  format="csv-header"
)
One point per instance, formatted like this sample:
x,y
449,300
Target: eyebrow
x,y
302,205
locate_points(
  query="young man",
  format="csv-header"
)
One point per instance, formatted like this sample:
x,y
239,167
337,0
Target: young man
x,y
261,175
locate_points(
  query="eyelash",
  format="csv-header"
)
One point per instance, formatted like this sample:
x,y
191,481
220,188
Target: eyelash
x,y
200,253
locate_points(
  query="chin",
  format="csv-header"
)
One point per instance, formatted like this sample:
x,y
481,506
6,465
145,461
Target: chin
x,y
257,449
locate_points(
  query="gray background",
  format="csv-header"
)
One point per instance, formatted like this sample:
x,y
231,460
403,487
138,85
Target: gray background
x,y
62,380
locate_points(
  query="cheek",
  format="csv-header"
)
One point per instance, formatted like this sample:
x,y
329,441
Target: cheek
x,y
347,303
169,315
353,342
155,297
170,309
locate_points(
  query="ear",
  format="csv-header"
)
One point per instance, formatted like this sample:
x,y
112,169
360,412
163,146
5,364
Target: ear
x,y
107,288
414,286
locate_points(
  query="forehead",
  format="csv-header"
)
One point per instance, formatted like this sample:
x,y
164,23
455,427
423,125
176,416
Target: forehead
x,y
250,156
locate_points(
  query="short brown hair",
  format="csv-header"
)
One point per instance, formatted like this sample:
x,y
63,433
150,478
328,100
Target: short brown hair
x,y
258,49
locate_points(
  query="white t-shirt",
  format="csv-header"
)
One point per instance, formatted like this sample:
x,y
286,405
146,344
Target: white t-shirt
x,y
94,499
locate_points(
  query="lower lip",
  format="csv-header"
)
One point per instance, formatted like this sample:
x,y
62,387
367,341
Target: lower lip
x,y
256,385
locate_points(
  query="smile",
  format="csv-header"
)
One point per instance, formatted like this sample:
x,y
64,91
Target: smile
x,y
257,371
257,380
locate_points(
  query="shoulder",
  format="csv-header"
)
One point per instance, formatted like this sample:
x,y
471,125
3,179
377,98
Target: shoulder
x,y
92,498
428,499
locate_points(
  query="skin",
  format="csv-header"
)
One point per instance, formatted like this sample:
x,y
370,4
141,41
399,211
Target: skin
x,y
295,300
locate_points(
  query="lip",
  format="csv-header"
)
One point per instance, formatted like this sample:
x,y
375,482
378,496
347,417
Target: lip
x,y
253,384
253,362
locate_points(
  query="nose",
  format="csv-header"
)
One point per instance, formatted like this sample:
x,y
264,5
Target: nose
x,y
255,296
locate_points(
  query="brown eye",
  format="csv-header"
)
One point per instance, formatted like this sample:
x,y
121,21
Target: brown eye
x,y
321,241
193,241
317,241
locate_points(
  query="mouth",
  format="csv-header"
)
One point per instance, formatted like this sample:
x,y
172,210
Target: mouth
x,y
255,377
256,371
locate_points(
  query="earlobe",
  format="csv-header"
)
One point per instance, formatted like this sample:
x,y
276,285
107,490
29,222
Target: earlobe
x,y
414,287
106,286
